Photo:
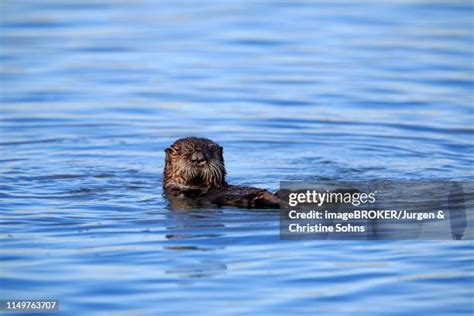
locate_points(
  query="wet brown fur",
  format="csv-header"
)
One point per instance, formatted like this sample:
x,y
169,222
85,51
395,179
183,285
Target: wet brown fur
x,y
194,170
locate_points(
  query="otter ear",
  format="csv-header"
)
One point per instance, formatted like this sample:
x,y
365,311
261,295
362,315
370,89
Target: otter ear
x,y
168,152
221,152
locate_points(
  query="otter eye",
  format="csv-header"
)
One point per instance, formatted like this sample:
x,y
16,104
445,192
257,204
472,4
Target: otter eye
x,y
215,148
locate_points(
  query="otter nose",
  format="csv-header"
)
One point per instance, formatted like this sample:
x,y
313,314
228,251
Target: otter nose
x,y
198,157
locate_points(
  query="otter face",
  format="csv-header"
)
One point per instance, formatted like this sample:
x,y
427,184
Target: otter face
x,y
194,161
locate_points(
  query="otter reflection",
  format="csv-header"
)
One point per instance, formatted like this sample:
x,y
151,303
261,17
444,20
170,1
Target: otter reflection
x,y
193,244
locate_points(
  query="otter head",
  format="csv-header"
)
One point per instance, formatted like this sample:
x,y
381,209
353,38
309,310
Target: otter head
x,y
194,162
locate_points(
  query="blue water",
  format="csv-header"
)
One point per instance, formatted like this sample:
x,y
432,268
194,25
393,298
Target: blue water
x,y
93,92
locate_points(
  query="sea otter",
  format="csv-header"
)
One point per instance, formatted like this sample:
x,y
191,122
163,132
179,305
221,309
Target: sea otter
x,y
195,172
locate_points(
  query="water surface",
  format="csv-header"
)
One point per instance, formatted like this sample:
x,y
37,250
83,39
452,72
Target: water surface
x,y
93,92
